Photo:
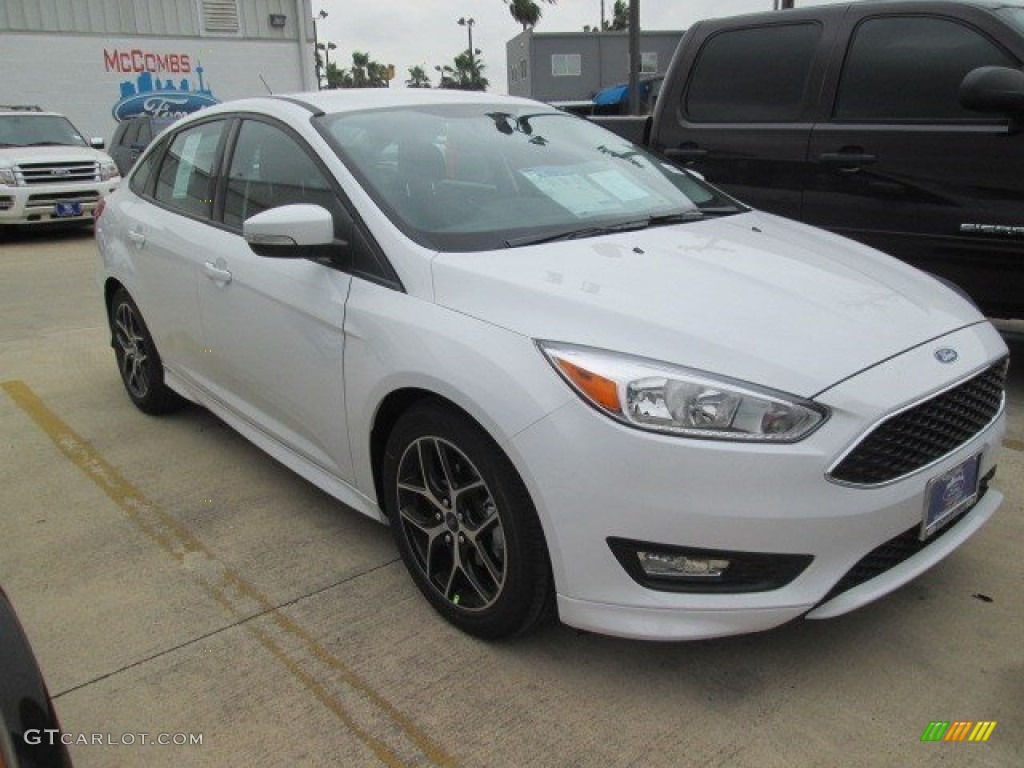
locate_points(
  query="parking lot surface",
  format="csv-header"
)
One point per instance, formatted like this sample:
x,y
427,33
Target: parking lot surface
x,y
179,585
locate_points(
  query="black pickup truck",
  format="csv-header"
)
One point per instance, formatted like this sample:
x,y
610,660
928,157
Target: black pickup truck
x,y
896,123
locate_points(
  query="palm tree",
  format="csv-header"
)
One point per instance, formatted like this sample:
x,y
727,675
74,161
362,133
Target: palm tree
x,y
418,78
364,73
620,17
526,12
465,75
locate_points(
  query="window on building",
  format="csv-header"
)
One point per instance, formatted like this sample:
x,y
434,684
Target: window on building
x,y
186,174
731,82
910,68
649,62
566,64
220,16
522,69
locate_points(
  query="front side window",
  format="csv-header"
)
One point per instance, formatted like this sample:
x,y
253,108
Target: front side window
x,y
269,169
910,69
649,62
757,75
1014,15
185,179
479,177
566,64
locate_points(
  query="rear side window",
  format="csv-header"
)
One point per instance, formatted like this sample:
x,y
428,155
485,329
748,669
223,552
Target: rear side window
x,y
910,68
755,75
185,180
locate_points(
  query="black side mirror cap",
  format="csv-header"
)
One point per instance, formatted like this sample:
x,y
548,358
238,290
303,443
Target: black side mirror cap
x,y
994,90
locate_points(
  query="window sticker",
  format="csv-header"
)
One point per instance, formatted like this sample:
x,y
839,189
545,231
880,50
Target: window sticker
x,y
186,165
573,191
621,186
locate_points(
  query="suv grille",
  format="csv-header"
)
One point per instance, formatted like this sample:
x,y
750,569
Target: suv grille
x,y
925,433
56,173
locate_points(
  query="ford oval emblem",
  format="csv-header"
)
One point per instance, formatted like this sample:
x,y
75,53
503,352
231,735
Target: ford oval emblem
x,y
946,355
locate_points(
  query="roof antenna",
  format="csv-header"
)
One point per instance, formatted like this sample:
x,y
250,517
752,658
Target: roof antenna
x,y
265,85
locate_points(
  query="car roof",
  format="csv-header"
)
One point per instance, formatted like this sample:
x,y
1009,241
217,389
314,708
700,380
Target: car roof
x,y
358,99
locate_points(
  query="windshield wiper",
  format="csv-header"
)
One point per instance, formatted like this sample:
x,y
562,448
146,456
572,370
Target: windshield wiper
x,y
48,144
659,220
576,234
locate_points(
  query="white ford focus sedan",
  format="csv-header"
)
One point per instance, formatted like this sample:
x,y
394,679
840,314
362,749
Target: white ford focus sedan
x,y
568,374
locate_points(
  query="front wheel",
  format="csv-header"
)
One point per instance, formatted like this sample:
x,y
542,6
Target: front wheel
x,y
464,524
137,359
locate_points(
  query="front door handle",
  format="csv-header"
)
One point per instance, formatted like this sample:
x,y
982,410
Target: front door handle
x,y
216,274
136,236
848,161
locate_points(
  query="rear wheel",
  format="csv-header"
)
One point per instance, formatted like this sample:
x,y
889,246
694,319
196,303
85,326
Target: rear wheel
x,y
464,524
139,363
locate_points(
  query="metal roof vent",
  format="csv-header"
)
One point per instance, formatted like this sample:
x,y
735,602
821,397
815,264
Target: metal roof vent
x,y
220,16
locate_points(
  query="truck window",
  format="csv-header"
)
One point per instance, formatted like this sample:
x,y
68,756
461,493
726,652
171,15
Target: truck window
x,y
909,68
756,75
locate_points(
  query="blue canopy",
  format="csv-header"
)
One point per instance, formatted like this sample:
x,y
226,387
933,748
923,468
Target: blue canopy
x,y
617,94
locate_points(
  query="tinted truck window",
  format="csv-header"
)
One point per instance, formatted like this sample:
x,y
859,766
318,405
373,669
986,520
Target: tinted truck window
x,y
753,75
910,68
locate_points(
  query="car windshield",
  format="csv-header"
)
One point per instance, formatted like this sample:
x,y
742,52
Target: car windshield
x,y
28,130
480,177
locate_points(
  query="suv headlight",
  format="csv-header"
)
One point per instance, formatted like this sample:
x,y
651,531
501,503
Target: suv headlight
x,y
7,177
108,170
660,397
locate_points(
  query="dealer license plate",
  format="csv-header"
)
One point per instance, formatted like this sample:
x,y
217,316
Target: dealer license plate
x,y
66,210
949,494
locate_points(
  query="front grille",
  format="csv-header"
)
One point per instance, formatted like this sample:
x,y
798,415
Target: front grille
x,y
918,436
897,549
30,174
50,199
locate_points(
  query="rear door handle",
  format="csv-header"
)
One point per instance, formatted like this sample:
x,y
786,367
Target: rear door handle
x,y
685,152
137,237
216,274
848,162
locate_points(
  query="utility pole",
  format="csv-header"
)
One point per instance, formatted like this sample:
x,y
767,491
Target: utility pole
x,y
634,57
468,24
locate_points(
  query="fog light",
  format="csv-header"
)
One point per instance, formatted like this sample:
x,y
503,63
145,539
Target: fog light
x,y
671,568
663,564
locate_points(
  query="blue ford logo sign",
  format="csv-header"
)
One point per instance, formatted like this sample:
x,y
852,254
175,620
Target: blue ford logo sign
x,y
162,104
946,355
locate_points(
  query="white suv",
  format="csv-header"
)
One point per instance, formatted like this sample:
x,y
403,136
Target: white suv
x,y
48,172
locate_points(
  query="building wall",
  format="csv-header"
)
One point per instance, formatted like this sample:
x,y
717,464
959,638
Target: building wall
x,y
107,59
604,61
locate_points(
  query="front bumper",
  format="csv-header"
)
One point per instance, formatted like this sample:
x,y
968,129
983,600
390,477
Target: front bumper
x,y
593,479
37,204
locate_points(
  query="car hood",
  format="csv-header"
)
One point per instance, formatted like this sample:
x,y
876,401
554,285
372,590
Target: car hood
x,y
61,154
753,297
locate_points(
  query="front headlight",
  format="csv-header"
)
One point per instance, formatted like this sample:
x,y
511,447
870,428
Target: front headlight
x,y
7,177
108,170
661,397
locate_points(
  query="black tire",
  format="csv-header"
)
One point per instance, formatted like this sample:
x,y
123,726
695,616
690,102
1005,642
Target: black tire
x,y
464,524
138,361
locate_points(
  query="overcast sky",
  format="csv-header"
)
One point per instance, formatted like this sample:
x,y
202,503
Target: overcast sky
x,y
426,32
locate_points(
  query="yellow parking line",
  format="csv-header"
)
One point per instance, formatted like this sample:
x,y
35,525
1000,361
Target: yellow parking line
x,y
348,696
1014,445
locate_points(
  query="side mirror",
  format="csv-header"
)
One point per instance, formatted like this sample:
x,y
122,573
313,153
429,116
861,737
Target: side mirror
x,y
994,90
297,231
97,143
